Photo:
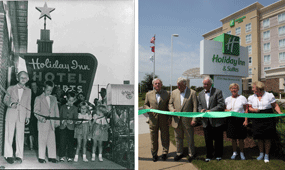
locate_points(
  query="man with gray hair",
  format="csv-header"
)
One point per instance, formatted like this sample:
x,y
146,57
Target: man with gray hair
x,y
211,99
183,99
158,99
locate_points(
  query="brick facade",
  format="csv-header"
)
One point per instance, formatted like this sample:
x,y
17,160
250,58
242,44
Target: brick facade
x,y
272,85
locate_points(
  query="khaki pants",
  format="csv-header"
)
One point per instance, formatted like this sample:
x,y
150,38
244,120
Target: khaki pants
x,y
156,124
184,126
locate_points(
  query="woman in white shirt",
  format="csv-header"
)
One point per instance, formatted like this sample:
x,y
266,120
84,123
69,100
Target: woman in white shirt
x,y
236,126
264,129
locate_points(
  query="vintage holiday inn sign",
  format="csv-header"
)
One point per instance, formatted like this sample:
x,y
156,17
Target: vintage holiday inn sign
x,y
74,71
220,57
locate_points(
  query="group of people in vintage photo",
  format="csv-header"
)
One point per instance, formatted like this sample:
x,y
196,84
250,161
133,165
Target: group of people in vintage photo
x,y
184,99
54,120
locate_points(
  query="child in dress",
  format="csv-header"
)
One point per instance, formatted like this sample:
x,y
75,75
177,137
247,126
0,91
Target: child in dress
x,y
100,130
82,130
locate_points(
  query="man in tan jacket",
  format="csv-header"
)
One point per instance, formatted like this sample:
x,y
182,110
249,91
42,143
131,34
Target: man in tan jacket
x,y
158,99
183,99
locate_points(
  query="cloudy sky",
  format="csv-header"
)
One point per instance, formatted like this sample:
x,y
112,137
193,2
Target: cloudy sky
x,y
102,28
189,19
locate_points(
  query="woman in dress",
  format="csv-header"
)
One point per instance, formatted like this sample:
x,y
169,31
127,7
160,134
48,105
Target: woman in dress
x,y
264,129
236,126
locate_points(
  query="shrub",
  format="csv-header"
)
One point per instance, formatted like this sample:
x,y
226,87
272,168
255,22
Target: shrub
x,y
280,129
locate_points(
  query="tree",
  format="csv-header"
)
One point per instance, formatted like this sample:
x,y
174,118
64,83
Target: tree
x,y
146,83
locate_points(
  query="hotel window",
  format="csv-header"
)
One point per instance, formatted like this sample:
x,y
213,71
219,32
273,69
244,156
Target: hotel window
x,y
282,57
266,35
282,44
281,30
266,47
250,72
238,31
249,48
282,66
248,27
281,17
249,61
229,32
267,59
248,38
266,68
266,23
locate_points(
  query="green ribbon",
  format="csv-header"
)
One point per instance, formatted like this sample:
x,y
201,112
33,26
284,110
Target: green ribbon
x,y
212,114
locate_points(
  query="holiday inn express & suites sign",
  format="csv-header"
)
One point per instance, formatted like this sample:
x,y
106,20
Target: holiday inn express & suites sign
x,y
74,71
223,56
239,20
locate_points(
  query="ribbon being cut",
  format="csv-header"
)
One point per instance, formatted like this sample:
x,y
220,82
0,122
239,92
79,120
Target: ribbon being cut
x,y
212,114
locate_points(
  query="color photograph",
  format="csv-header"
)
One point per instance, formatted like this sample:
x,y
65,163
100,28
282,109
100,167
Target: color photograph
x,y
211,84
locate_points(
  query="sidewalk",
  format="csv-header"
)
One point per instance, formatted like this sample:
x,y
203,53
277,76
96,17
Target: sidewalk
x,y
31,162
145,157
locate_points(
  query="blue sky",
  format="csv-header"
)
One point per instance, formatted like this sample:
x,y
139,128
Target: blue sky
x,y
189,19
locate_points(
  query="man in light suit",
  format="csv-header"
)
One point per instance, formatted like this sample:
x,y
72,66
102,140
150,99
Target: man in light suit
x,y
211,99
46,105
183,99
158,99
18,101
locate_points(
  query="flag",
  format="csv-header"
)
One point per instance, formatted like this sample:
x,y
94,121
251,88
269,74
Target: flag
x,y
152,48
152,40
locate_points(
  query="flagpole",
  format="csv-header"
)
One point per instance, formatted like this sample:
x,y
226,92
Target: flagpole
x,y
153,77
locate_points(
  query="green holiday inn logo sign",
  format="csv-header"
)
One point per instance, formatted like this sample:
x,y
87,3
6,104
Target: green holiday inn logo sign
x,y
230,44
239,20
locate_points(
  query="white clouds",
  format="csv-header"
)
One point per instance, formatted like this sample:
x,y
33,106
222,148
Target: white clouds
x,y
182,60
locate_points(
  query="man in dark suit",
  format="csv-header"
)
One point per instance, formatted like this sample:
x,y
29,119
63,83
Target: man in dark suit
x,y
158,99
211,99
183,99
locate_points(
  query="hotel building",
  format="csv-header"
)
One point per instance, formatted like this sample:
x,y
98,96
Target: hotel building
x,y
262,30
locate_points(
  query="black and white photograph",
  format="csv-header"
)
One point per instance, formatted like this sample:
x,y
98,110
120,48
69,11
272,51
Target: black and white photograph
x,y
67,84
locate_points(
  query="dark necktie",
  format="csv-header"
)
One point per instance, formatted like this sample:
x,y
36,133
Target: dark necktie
x,y
207,91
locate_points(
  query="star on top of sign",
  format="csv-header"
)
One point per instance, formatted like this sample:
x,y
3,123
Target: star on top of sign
x,y
45,11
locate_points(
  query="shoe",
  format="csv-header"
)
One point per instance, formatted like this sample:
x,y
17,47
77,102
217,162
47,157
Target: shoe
x,y
190,158
69,159
42,161
218,158
266,158
207,160
100,158
85,160
164,157
242,157
62,159
234,155
178,157
18,160
53,160
10,160
260,157
155,158
93,158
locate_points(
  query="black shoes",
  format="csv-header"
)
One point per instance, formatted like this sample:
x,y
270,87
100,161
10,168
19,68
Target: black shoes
x,y
42,161
155,158
18,160
10,160
178,157
190,158
53,160
164,157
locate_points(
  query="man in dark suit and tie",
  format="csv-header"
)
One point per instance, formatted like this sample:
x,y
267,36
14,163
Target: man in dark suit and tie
x,y
158,99
211,99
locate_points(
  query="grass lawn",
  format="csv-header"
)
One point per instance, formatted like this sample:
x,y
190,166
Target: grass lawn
x,y
141,100
226,163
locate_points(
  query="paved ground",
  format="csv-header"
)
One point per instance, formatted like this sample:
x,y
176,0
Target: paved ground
x,y
145,158
30,162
